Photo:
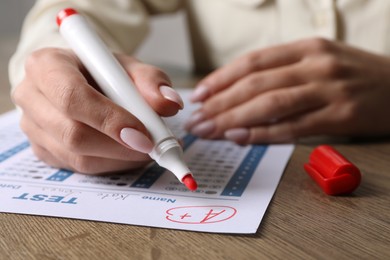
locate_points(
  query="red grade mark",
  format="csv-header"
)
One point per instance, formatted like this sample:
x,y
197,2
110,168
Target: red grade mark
x,y
212,214
200,214
185,216
64,14
190,183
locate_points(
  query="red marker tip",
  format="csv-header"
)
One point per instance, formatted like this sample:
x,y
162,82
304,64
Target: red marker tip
x,y
64,14
190,183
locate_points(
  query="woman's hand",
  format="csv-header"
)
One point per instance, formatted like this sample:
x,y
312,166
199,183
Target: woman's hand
x,y
308,87
70,124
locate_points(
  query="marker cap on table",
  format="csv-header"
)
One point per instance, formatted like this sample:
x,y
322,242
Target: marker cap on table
x,y
117,85
332,171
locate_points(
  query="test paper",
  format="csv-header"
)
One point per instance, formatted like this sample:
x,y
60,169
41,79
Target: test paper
x,y
235,184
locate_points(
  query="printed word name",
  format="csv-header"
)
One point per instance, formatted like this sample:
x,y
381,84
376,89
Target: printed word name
x,y
159,199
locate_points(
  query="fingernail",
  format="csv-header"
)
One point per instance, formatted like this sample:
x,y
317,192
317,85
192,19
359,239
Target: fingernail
x,y
194,119
199,94
136,140
203,129
171,94
237,135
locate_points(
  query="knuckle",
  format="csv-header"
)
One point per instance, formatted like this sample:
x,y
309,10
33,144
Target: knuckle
x,y
156,72
23,124
253,81
153,72
70,93
349,114
83,164
250,61
30,130
226,120
319,45
346,90
40,153
109,119
256,83
34,59
73,137
44,55
18,95
45,156
278,101
212,107
331,66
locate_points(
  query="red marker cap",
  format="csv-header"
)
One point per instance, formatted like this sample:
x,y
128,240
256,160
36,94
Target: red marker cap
x,y
332,171
65,13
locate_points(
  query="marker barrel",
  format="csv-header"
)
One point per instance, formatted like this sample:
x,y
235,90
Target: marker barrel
x,y
117,85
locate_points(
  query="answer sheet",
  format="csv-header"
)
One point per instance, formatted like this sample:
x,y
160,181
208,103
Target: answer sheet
x,y
235,185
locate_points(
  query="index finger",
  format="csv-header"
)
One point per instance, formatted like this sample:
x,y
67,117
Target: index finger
x,y
276,56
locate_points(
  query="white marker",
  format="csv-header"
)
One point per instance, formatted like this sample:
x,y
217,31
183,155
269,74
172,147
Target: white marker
x,y
116,84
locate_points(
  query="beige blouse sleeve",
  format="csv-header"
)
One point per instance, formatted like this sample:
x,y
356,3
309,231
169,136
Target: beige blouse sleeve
x,y
122,24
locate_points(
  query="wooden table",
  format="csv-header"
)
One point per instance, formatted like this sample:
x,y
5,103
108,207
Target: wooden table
x,y
301,222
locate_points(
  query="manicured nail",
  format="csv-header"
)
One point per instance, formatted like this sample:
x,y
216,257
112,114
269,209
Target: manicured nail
x,y
204,128
136,140
194,119
170,94
199,94
237,135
